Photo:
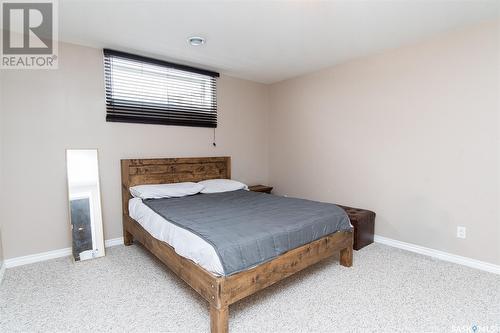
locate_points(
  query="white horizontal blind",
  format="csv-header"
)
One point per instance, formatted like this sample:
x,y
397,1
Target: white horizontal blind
x,y
144,90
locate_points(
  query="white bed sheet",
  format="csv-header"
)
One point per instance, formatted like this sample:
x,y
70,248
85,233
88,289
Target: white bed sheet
x,y
184,242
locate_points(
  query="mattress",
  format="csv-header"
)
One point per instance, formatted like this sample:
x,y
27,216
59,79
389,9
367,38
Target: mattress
x,y
184,242
247,229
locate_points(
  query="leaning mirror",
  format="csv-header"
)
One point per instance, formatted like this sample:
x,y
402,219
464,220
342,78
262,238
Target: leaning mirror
x,y
84,203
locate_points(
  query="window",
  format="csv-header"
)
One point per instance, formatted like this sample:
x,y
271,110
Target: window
x,y
145,90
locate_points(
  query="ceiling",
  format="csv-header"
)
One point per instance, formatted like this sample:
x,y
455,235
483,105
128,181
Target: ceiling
x,y
264,41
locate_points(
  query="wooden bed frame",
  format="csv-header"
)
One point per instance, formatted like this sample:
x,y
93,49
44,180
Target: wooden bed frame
x,y
219,291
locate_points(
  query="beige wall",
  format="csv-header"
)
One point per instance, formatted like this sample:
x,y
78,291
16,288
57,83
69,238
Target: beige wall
x,y
46,112
412,134
1,253
1,177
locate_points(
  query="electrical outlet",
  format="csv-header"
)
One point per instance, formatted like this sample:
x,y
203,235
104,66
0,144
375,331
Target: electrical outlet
x,y
461,232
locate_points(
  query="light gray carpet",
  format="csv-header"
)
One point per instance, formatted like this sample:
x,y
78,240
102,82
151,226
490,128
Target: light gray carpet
x,y
387,290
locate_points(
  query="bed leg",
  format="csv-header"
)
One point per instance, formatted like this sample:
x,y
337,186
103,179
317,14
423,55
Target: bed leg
x,y
128,239
346,256
219,319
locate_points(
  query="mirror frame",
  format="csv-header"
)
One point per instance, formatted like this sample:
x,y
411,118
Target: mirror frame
x,y
98,243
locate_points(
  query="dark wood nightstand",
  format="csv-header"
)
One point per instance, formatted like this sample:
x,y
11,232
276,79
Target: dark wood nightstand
x,y
261,188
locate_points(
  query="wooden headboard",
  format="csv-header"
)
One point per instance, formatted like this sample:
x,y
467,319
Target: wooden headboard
x,y
171,170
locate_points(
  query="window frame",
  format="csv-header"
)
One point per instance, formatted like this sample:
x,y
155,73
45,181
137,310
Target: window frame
x,y
166,114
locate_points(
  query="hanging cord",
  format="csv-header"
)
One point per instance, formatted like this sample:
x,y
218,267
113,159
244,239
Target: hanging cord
x,y
213,143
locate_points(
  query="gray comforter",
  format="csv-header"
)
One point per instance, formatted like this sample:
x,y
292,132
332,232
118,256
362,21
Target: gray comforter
x,y
249,228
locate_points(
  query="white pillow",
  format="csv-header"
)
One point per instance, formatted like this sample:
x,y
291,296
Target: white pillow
x,y
221,185
158,191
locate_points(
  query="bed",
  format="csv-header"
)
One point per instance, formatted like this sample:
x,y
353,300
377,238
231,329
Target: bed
x,y
214,281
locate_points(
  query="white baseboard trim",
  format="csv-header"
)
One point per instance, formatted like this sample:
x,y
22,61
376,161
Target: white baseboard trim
x,y
113,242
485,266
32,258
2,271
